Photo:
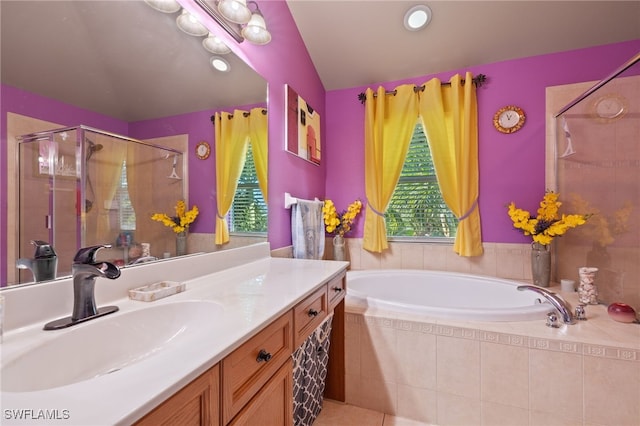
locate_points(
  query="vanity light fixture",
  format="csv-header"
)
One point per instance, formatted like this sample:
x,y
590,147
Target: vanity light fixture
x,y
220,64
417,17
214,44
256,29
164,6
235,11
190,24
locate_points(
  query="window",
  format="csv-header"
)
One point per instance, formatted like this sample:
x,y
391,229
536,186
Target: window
x,y
248,213
126,214
417,209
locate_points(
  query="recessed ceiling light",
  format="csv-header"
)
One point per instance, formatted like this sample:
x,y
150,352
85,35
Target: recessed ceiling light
x,y
220,64
417,17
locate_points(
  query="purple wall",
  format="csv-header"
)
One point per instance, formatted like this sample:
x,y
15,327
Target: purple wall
x,y
512,166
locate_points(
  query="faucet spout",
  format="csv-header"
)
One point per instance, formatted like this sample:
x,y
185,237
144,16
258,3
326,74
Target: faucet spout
x,y
559,304
85,270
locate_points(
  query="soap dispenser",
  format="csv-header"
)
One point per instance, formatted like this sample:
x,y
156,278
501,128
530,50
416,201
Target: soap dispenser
x,y
44,264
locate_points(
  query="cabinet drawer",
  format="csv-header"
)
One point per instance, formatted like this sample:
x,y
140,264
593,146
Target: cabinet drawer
x,y
336,290
309,314
250,366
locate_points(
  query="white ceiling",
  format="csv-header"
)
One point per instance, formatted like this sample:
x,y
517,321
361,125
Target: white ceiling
x,y
103,55
357,43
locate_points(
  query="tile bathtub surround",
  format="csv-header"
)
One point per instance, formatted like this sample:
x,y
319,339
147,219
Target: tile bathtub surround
x,y
447,372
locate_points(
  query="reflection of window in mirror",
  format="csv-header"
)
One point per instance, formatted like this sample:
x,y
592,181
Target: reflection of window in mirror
x,y
248,213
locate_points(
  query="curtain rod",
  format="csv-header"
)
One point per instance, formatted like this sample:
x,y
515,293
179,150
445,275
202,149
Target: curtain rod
x,y
244,114
478,80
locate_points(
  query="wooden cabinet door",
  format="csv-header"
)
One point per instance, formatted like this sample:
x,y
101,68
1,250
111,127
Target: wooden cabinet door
x,y
196,404
273,405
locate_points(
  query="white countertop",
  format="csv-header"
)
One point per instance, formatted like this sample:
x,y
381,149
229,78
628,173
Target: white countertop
x,y
251,295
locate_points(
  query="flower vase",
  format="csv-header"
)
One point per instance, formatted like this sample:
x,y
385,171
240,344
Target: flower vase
x,y
338,248
540,264
181,243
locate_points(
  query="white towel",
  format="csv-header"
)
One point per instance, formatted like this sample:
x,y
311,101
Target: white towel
x,y
307,229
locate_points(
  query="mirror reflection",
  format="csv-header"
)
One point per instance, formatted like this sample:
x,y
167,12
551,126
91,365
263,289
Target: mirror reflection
x,y
115,68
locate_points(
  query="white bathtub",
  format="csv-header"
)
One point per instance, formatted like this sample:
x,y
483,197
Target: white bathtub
x,y
446,295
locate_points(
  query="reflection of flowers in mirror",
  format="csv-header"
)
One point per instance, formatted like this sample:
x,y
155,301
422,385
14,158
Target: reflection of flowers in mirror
x,y
548,223
340,223
603,229
182,219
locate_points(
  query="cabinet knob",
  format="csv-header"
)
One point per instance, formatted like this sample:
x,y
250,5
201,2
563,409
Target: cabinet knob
x,y
263,356
337,289
313,313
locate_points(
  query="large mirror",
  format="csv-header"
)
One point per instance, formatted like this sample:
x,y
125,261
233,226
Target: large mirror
x,y
126,67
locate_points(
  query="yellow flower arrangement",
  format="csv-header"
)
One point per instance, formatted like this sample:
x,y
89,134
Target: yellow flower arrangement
x,y
548,224
340,223
181,221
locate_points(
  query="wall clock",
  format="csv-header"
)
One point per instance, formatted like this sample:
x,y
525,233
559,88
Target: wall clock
x,y
509,119
203,150
609,107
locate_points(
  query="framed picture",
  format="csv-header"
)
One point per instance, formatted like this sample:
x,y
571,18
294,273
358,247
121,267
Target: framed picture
x,y
303,128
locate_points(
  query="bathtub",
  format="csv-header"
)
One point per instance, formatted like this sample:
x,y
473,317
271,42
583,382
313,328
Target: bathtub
x,y
446,295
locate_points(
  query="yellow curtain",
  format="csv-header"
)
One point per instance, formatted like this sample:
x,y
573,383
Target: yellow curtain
x,y
449,115
107,165
232,135
389,124
259,144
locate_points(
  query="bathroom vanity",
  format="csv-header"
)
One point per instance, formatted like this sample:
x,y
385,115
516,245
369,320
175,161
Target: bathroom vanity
x,y
226,360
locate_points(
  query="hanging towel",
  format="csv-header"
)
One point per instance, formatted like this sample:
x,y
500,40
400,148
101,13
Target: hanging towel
x,y
307,229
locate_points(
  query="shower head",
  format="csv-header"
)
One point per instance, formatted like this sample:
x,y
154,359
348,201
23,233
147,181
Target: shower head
x,y
93,147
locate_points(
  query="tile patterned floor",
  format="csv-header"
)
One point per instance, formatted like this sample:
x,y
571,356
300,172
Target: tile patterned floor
x,y
339,414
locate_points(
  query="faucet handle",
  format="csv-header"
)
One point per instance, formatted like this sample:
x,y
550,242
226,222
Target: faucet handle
x,y
552,320
580,313
88,254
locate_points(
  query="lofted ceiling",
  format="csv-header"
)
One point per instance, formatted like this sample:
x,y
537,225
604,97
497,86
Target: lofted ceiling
x,y
357,43
102,55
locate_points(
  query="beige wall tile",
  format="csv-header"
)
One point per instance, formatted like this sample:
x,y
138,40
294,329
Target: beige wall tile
x,y
556,383
353,395
503,415
487,263
504,372
458,369
379,396
611,391
352,344
435,256
457,410
418,404
416,365
560,418
377,352
412,256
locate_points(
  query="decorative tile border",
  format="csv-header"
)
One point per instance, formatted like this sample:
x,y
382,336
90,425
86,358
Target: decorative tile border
x,y
624,354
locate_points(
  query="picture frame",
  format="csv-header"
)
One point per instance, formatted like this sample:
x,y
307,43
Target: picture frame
x,y
302,123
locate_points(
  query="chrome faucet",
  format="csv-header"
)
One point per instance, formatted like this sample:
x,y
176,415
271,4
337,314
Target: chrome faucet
x,y
85,270
560,305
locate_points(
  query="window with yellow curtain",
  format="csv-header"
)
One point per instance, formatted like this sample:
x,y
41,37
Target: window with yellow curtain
x,y
248,213
416,209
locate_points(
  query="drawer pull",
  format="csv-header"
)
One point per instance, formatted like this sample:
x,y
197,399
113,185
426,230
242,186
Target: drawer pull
x,y
337,289
313,313
263,356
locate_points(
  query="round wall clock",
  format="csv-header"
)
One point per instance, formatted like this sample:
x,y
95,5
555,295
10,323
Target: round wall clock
x,y
203,150
509,119
609,107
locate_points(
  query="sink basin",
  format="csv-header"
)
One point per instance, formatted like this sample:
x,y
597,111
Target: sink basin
x,y
106,345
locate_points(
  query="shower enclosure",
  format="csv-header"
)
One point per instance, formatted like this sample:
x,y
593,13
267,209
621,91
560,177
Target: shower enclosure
x,y
597,172
80,186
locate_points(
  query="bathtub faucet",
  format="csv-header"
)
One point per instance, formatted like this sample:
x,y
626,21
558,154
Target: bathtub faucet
x,y
560,305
